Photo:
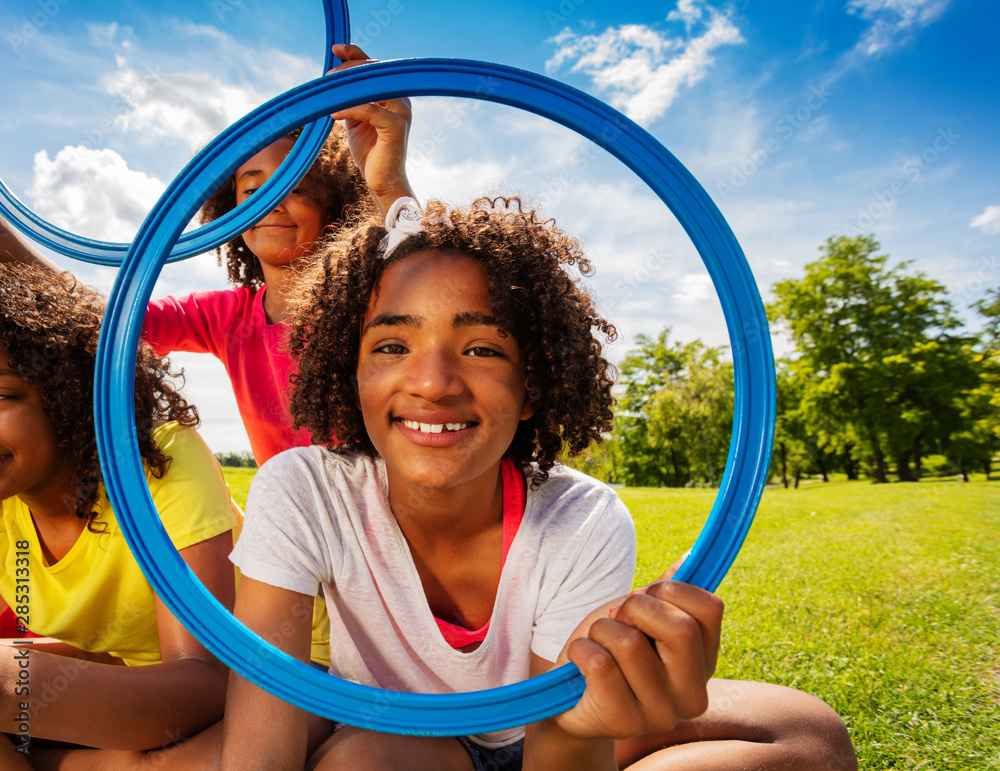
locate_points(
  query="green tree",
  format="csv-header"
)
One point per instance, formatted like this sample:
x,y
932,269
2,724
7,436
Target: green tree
x,y
936,380
984,402
791,451
644,371
870,342
675,414
989,307
807,439
691,416
243,459
596,461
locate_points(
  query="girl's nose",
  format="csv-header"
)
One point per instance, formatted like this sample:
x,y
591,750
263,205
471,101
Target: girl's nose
x,y
434,376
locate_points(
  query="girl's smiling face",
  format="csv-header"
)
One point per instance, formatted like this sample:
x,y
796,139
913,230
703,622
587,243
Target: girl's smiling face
x,y
441,390
31,465
294,226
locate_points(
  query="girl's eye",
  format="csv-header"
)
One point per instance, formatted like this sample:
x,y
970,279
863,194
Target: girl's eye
x,y
249,191
394,349
481,350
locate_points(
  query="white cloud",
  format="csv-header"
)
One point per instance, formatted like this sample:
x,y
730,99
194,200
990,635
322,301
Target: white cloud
x,y
686,11
92,192
988,221
894,22
271,70
694,288
188,103
731,135
187,94
192,107
455,183
762,214
440,163
641,69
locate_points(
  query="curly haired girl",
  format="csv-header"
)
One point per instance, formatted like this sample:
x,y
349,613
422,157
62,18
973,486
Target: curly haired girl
x,y
243,327
67,571
333,185
524,261
452,359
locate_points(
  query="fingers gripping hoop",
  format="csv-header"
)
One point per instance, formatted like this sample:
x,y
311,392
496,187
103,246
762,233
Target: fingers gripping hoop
x,y
220,230
268,667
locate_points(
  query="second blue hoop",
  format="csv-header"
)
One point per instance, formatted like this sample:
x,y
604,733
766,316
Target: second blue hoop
x,y
272,669
221,230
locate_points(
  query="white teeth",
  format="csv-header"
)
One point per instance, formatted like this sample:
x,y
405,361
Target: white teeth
x,y
434,428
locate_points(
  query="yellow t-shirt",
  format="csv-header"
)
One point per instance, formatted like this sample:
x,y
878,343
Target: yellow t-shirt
x,y
96,597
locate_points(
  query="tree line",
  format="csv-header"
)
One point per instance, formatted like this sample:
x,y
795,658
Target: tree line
x,y
242,459
883,376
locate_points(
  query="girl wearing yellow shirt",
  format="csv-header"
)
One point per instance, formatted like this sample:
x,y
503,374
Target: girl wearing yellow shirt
x,y
115,669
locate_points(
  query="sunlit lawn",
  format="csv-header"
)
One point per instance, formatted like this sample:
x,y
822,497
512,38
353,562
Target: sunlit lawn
x,y
883,600
239,480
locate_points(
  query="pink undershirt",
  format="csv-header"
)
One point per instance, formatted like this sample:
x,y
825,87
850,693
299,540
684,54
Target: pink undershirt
x,y
513,511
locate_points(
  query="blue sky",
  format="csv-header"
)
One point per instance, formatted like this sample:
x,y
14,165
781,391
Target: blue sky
x,y
802,121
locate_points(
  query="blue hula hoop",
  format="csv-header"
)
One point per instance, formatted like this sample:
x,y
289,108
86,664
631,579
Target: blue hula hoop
x,y
247,653
226,227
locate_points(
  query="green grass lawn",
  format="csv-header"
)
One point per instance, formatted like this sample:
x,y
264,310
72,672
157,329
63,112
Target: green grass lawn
x,y
883,600
239,480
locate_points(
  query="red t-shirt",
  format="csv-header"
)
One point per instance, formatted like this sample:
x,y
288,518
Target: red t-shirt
x,y
231,325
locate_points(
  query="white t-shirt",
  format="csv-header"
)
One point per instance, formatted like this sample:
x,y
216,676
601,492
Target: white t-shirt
x,y
316,517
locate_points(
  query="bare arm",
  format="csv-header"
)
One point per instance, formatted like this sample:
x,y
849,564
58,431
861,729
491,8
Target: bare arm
x,y
133,708
13,248
261,731
377,135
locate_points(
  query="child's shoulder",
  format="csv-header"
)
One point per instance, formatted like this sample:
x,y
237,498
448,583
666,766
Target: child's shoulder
x,y
339,473
191,459
173,438
570,493
9,508
563,479
316,456
574,517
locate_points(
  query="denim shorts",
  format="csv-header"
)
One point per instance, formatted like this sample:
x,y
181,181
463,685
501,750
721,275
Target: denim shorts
x,y
506,758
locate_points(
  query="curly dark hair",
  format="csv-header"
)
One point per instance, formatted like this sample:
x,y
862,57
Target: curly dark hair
x,y
49,325
333,182
551,317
